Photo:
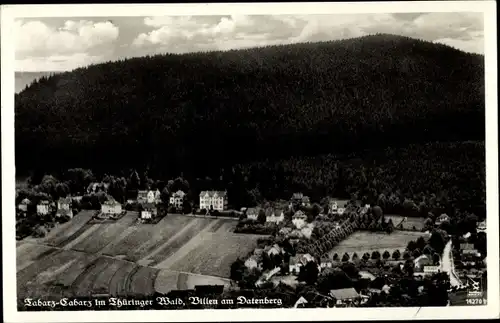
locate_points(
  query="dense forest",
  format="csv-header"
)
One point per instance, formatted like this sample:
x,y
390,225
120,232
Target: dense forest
x,y
195,114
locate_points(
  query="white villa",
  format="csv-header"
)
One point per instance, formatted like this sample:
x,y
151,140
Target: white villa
x,y
43,207
275,216
23,206
216,200
299,219
111,207
177,199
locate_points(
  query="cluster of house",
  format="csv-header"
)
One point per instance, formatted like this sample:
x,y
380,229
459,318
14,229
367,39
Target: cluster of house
x,y
299,218
44,207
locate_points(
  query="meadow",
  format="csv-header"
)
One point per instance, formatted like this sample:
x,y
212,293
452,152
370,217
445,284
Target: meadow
x,y
363,241
123,258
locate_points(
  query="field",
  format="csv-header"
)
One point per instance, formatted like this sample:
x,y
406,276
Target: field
x,y
418,223
122,258
361,242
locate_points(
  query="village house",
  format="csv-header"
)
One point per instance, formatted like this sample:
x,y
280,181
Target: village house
x,y
481,226
64,207
43,208
23,206
177,199
213,200
111,208
366,275
326,263
273,250
252,262
150,197
148,211
299,219
298,261
97,187
345,297
157,196
252,213
442,218
275,216
142,196
64,203
337,207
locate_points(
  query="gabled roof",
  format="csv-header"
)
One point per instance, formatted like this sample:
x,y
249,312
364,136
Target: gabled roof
x,y
253,210
43,202
25,201
179,193
213,193
299,215
65,200
297,196
344,293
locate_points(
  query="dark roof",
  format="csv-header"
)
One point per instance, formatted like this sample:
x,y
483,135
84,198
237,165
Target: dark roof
x,y
344,293
149,206
65,200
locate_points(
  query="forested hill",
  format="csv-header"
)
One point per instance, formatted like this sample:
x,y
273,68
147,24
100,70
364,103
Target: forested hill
x,y
205,110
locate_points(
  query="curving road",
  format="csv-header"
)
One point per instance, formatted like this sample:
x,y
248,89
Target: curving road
x,y
447,265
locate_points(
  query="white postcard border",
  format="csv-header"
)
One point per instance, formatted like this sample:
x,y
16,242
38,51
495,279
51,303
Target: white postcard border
x,y
8,13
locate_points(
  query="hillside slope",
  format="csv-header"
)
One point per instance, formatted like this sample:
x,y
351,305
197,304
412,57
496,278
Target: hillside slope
x,y
206,110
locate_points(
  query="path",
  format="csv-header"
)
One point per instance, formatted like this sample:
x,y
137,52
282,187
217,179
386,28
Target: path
x,y
448,266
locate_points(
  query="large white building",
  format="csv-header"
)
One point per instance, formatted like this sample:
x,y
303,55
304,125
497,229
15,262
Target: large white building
x,y
216,200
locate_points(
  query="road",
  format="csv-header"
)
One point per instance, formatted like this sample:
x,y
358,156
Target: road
x,y
448,266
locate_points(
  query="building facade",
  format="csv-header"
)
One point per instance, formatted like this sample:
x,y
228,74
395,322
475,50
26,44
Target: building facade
x,y
43,208
111,207
177,199
213,200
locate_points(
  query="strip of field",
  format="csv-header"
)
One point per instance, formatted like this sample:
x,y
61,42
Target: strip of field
x,y
213,254
119,281
104,234
361,242
66,231
188,246
142,282
27,253
176,242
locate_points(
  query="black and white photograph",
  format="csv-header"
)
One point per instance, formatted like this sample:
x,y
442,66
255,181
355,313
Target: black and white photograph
x,y
294,156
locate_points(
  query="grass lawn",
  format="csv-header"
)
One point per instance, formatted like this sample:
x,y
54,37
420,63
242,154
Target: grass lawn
x,y
362,241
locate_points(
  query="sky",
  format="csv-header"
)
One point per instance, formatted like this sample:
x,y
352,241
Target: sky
x,y
63,44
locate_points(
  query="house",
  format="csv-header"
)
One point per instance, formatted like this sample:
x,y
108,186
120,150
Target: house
x,y
345,296
43,207
23,206
299,219
274,250
97,187
177,199
150,197
298,261
64,203
111,207
337,206
297,198
442,218
306,201
158,196
142,196
148,211
326,263
252,262
275,216
213,200
253,213
481,226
